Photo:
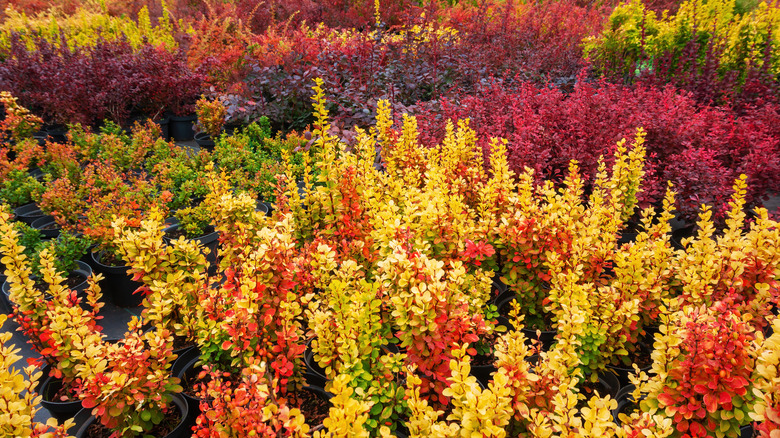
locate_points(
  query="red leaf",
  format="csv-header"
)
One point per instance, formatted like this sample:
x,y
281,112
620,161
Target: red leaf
x,y
665,399
701,389
697,430
89,403
711,402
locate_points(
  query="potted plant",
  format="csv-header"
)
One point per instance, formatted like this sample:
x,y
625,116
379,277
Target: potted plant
x,y
110,194
59,329
171,273
211,117
19,123
546,222
701,375
352,340
20,399
766,411
28,238
66,250
742,264
194,223
19,190
135,395
467,399
443,305
246,404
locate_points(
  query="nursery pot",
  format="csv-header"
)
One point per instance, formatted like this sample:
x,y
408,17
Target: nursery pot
x,y
264,207
28,213
48,227
232,128
36,173
315,374
118,284
5,306
204,141
184,368
610,385
5,302
47,388
82,269
498,288
41,137
209,240
84,419
180,128
622,372
164,125
484,373
624,400
546,337
319,394
57,134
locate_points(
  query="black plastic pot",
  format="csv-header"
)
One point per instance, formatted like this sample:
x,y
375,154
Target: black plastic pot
x,y
649,336
36,173
498,288
180,128
41,137
48,227
264,207
233,128
623,399
84,419
546,337
610,383
204,141
118,285
28,213
83,269
315,374
184,368
209,240
5,305
47,388
57,134
483,373
622,372
164,125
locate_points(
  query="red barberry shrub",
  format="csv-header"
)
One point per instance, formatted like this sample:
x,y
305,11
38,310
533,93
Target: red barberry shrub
x,y
547,128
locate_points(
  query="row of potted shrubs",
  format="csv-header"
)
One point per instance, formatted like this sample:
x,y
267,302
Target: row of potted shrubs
x,y
434,294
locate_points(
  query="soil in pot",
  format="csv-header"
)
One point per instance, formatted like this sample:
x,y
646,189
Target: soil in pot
x,y
483,364
117,284
48,227
62,402
314,404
